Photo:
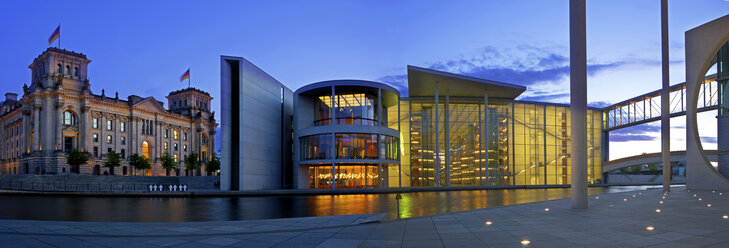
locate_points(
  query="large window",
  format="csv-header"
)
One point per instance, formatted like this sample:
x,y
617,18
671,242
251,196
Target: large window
x,y
109,125
355,109
95,123
316,147
322,106
69,118
390,147
356,146
123,126
346,176
145,149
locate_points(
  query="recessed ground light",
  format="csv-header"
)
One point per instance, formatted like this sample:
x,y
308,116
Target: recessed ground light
x,y
694,195
663,197
708,205
546,209
699,198
658,210
661,202
725,216
713,191
640,193
650,228
633,196
525,242
488,222
597,197
625,199
611,205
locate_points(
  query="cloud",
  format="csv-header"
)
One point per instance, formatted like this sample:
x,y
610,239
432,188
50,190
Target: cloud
x,y
547,97
598,104
542,68
644,132
631,137
707,139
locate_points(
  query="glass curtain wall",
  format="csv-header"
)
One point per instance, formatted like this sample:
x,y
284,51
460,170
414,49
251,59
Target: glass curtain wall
x,y
404,174
316,147
355,109
528,143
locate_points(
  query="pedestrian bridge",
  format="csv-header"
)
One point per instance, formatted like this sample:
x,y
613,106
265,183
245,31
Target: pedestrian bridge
x,y
648,158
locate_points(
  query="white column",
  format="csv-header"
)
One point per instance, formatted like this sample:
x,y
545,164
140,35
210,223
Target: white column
x,y
399,158
334,142
446,131
485,133
665,115
436,150
578,103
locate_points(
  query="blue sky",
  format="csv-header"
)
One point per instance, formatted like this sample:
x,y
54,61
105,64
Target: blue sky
x,y
142,47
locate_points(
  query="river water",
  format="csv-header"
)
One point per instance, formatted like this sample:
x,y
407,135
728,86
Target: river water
x,y
184,209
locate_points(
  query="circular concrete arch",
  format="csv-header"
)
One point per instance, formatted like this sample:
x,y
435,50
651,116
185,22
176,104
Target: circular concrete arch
x,y
702,44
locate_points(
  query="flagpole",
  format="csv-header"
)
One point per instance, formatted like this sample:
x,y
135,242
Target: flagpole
x,y
59,35
188,79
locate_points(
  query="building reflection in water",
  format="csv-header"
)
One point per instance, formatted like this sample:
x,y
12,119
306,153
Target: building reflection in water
x,y
180,209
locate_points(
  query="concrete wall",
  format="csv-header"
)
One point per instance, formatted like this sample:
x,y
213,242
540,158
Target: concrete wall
x,y
263,124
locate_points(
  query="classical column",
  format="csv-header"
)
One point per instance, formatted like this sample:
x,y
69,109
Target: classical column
x,y
115,125
578,103
84,126
27,143
36,127
102,135
446,131
59,124
436,150
665,115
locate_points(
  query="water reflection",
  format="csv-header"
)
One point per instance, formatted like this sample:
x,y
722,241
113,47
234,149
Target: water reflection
x,y
150,209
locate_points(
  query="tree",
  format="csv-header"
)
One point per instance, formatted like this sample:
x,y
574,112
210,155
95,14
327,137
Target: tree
x,y
168,163
113,160
192,163
213,165
75,159
139,163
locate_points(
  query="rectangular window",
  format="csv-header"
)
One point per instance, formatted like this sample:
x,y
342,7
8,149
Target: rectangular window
x,y
95,123
176,158
175,147
123,153
166,147
167,133
176,134
96,151
184,136
123,140
108,150
123,126
109,124
96,137
108,139
184,148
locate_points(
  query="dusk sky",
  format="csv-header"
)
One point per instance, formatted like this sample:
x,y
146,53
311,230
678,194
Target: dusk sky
x,y
142,47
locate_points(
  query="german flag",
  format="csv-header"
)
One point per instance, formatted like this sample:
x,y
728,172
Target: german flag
x,y
56,34
186,75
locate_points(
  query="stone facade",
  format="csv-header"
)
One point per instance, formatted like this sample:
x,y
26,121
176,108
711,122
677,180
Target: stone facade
x,y
58,112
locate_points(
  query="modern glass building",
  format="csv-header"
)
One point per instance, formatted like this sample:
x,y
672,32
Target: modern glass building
x,y
450,130
342,139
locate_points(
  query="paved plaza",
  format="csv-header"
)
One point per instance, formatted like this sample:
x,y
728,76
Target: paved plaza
x,y
683,219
